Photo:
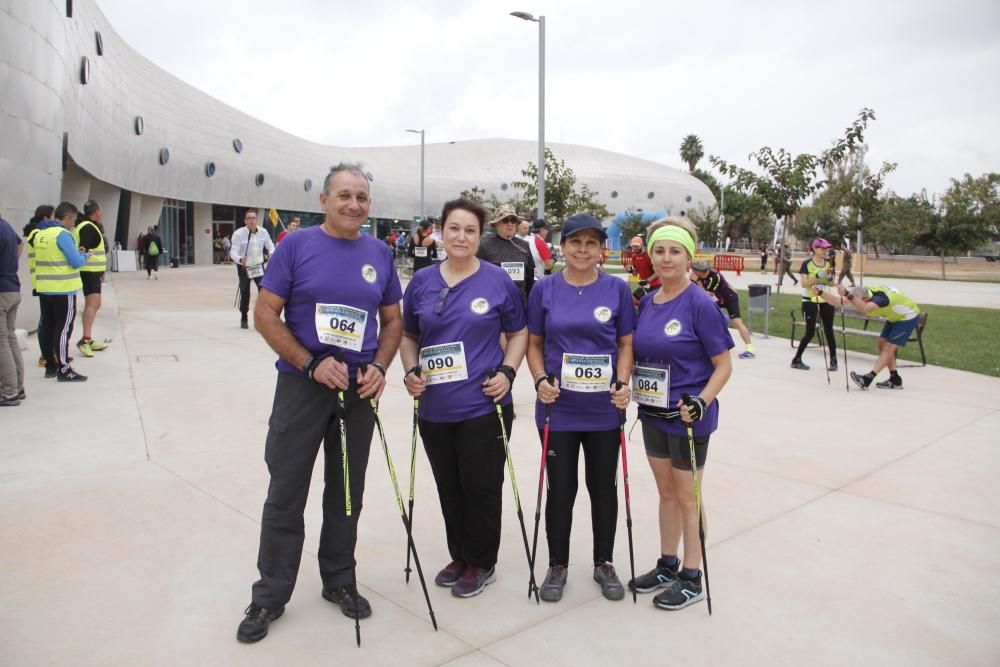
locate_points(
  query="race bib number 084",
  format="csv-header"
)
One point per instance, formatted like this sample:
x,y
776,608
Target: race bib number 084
x,y
651,386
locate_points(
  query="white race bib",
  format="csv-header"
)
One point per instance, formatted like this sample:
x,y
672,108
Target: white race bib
x,y
515,270
443,363
341,325
420,251
255,271
651,386
587,373
442,254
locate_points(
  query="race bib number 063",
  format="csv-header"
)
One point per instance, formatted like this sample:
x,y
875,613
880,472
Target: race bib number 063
x,y
587,373
341,325
443,363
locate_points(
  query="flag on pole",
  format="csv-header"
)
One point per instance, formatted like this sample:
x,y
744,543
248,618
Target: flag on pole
x,y
272,215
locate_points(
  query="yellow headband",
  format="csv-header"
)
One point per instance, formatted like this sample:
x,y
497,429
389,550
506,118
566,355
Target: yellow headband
x,y
673,233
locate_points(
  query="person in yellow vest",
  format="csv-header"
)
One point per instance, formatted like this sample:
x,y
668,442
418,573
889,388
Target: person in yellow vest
x,y
816,272
43,212
57,279
89,236
901,315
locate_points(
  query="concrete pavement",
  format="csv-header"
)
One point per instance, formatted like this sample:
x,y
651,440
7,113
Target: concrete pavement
x,y
854,527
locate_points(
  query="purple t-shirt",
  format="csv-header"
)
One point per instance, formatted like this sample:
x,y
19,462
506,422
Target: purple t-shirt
x,y
473,312
683,334
587,322
312,268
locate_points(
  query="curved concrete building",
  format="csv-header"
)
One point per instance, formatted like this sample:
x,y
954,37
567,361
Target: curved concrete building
x,y
85,116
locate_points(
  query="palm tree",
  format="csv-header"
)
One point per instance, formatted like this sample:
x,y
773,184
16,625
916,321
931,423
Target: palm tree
x,y
692,151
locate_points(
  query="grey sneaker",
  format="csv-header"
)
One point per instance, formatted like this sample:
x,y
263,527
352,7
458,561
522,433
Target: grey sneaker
x,y
473,581
555,581
611,585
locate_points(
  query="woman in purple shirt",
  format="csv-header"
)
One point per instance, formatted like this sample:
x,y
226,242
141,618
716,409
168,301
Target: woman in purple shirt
x,y
681,346
453,315
580,324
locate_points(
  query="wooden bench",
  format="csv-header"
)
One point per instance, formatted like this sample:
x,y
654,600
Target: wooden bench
x,y
854,317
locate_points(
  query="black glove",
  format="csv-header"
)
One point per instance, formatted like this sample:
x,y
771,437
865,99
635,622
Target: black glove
x,y
696,406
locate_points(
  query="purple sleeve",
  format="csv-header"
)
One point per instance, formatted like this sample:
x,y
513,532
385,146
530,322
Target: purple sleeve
x,y
278,276
512,310
393,289
536,309
411,323
626,311
712,328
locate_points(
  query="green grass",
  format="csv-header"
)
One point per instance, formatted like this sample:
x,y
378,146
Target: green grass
x,y
955,337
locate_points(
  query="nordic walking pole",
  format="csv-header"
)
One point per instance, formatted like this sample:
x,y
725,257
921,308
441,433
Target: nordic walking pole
x,y
697,501
342,409
550,378
411,547
517,496
413,471
843,340
822,338
628,501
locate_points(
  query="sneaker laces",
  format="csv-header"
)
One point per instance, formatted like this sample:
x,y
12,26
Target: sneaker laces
x,y
254,610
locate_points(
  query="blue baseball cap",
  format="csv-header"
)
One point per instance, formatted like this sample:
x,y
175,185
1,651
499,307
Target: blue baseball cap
x,y
581,221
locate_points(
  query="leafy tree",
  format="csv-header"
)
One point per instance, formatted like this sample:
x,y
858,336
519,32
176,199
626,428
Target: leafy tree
x,y
746,215
691,151
562,197
706,221
632,225
902,220
969,219
490,200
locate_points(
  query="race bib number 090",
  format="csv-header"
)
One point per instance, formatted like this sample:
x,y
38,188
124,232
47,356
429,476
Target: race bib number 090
x,y
443,363
651,386
341,325
587,373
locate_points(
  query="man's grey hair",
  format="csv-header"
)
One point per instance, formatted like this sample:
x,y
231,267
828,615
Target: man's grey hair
x,y
859,293
353,167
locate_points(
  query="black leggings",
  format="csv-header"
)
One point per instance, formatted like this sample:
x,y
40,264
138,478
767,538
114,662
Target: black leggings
x,y
600,454
467,459
826,311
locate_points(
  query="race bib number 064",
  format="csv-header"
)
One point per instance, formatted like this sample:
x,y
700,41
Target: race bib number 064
x,y
341,325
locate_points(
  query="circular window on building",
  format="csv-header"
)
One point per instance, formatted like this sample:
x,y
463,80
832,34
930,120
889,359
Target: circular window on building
x,y
308,185
100,42
688,199
139,126
237,145
164,155
85,70
683,213
259,180
210,169
650,195
614,194
503,186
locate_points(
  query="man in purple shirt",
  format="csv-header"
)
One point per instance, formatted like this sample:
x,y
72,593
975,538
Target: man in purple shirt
x,y
330,282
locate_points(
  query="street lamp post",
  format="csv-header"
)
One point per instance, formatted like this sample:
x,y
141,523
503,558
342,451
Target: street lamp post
x,y
421,133
541,106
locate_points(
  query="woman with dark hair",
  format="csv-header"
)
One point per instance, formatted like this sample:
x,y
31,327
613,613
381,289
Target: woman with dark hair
x,y
42,213
817,272
453,315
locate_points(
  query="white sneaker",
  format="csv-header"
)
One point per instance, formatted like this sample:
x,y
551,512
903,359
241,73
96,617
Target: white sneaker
x,y
156,275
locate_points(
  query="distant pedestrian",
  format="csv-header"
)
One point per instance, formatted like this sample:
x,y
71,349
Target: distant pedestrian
x,y
89,236
845,267
763,259
11,363
151,249
786,266
227,245
250,243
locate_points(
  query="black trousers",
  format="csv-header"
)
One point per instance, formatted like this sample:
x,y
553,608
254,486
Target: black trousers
x,y
600,457
303,416
245,289
151,263
55,329
467,459
810,310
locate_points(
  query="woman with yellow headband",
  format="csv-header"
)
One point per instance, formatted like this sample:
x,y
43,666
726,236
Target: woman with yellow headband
x,y
681,346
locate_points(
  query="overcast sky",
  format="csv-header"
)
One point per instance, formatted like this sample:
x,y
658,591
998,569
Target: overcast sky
x,y
629,76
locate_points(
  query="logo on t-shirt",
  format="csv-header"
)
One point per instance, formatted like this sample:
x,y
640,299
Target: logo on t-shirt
x,y
602,314
479,306
369,273
672,328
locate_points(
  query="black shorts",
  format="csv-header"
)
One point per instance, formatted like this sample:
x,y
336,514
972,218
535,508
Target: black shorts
x,y
732,306
663,445
91,282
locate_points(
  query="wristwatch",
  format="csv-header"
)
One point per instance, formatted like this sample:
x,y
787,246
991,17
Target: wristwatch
x,y
307,363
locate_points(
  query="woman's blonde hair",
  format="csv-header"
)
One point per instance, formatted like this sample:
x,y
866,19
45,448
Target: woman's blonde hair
x,y
683,223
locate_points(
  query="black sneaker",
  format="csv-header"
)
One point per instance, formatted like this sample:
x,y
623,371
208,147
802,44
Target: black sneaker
x,y
861,380
890,384
682,592
351,603
244,325
71,376
11,400
657,578
798,365
51,371
253,628
833,366
21,395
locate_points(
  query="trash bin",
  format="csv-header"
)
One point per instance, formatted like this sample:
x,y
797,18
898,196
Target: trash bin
x,y
759,301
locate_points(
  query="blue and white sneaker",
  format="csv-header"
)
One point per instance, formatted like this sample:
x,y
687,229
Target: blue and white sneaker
x,y
682,592
747,354
657,578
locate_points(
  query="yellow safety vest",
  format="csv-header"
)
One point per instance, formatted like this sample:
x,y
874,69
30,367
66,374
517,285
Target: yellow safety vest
x,y
53,272
901,307
31,256
97,261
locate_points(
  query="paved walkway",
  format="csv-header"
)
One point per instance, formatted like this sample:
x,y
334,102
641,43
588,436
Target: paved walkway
x,y
846,528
